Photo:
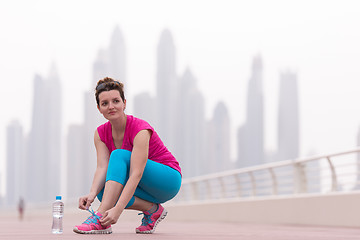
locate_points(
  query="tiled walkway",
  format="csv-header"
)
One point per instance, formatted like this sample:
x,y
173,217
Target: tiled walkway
x,y
39,227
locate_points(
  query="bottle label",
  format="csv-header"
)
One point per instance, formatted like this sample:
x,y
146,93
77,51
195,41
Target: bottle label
x,y
58,209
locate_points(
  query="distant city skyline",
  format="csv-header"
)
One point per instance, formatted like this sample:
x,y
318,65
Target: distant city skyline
x,y
177,112
321,49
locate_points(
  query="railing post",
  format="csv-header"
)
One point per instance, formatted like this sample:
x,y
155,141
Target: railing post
x,y
208,189
334,183
181,197
194,191
222,184
300,181
274,181
253,183
238,181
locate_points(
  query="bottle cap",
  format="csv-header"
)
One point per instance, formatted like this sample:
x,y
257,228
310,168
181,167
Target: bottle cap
x,y
58,197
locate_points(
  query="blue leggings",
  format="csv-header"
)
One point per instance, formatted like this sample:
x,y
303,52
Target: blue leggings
x,y
159,183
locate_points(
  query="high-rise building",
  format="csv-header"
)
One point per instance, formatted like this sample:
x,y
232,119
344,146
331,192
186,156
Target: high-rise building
x,y
210,143
100,68
15,170
37,151
110,62
251,134
190,127
288,121
221,123
145,107
76,182
166,85
117,56
44,141
53,133
92,118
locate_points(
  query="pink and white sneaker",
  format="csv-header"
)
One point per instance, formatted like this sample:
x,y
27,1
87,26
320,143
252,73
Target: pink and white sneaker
x,y
92,225
150,220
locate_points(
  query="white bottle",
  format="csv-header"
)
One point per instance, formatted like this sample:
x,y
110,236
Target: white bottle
x,y
58,213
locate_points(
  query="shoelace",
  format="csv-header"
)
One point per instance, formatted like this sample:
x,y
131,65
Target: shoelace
x,y
146,220
93,218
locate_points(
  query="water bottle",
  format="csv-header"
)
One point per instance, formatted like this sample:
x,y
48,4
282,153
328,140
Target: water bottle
x,y
58,213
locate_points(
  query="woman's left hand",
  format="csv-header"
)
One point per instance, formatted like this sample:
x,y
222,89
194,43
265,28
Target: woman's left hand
x,y
111,216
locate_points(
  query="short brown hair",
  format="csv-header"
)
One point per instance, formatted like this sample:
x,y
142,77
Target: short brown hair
x,y
108,84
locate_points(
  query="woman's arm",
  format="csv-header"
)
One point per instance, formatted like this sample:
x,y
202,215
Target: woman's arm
x,y
138,161
102,154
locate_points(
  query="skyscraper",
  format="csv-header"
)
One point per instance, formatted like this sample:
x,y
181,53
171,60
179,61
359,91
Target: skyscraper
x,y
145,107
166,85
53,134
117,56
110,62
190,127
221,123
44,140
288,121
92,117
37,152
15,170
251,134
210,143
77,184
100,67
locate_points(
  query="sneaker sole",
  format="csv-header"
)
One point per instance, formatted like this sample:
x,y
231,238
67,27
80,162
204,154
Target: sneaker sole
x,y
162,216
105,231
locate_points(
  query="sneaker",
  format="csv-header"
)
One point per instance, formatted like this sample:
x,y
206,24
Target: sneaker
x,y
92,225
150,220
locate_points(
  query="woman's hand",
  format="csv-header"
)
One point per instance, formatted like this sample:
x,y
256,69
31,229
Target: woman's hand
x,y
85,201
111,216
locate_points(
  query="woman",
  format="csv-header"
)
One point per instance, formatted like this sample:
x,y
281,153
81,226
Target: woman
x,y
134,168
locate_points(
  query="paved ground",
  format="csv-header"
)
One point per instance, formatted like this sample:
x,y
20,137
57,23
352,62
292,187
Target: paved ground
x,y
39,227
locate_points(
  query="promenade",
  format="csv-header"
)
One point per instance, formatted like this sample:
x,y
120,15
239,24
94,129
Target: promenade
x,y
38,226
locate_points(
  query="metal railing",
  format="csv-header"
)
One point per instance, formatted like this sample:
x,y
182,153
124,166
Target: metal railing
x,y
319,174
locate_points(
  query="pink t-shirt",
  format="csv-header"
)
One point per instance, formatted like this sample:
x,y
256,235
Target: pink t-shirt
x,y
157,150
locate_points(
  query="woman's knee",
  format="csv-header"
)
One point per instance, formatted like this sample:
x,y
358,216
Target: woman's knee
x,y
120,155
119,165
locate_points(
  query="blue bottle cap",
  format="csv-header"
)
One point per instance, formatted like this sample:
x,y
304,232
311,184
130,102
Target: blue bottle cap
x,y
58,197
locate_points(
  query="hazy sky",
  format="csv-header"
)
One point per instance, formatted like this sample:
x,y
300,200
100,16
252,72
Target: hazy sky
x,y
217,40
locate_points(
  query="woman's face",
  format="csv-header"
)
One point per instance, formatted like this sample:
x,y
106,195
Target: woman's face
x,y
111,105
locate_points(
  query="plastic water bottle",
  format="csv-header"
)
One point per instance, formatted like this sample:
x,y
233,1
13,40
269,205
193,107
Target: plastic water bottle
x,y
58,213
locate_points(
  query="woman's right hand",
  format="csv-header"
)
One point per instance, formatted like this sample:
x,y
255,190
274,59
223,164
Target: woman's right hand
x,y
85,201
